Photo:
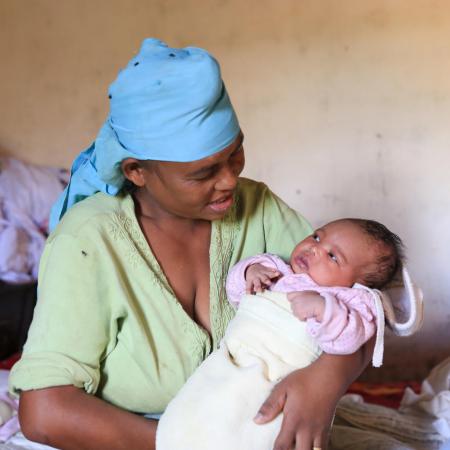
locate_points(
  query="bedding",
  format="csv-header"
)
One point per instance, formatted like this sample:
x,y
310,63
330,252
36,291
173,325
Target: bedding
x,y
27,192
422,421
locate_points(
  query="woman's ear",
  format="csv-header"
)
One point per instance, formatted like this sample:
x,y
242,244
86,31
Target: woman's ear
x,y
133,171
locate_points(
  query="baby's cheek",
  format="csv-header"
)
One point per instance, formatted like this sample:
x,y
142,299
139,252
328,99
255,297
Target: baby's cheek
x,y
323,276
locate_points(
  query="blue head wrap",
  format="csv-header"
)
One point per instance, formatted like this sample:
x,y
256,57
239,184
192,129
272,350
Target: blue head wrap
x,y
168,104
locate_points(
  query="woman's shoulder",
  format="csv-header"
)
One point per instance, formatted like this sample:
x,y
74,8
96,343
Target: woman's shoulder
x,y
254,195
251,193
94,214
250,188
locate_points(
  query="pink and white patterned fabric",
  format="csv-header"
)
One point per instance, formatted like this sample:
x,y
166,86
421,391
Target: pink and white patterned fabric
x,y
350,317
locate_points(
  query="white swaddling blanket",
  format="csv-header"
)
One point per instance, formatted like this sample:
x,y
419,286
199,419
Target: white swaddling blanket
x,y
216,407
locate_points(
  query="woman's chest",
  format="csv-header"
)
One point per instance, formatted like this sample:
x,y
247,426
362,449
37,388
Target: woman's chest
x,y
184,260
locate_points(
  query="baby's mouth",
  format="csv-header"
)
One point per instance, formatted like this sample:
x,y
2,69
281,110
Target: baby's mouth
x,y
302,262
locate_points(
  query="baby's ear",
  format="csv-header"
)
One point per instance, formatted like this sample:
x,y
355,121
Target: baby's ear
x,y
133,171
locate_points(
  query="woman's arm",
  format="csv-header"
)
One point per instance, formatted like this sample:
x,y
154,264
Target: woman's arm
x,y
67,418
308,398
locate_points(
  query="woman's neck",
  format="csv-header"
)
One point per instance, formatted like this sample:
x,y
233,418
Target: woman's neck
x,y
149,211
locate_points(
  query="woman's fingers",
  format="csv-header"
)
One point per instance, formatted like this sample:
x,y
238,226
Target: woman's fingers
x,y
286,439
322,441
273,405
311,439
306,409
294,434
298,434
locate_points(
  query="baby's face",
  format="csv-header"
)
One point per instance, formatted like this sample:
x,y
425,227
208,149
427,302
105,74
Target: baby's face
x,y
338,254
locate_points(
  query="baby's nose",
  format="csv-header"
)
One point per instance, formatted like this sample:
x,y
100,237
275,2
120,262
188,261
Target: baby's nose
x,y
313,250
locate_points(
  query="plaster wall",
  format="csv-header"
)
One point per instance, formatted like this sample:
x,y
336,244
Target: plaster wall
x,y
344,104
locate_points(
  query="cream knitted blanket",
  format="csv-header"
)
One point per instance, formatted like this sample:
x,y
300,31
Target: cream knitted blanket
x,y
216,407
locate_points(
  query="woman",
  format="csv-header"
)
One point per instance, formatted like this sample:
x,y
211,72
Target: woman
x,y
131,288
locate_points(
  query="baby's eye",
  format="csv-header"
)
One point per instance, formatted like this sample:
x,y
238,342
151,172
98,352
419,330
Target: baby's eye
x,y
316,237
332,256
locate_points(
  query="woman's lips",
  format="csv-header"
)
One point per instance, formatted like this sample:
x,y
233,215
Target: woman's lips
x,y
221,205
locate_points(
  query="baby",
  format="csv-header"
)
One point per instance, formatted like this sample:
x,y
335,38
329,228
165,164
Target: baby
x,y
331,284
327,278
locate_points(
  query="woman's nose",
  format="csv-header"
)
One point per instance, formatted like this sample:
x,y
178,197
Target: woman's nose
x,y
227,179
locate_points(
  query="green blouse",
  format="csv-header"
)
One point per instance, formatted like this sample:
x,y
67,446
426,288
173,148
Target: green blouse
x,y
107,319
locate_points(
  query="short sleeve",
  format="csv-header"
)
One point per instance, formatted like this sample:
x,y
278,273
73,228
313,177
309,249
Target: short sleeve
x,y
284,227
71,328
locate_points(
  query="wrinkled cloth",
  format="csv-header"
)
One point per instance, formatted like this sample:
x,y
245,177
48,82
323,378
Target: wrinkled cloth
x,y
168,104
349,318
9,423
434,398
421,423
263,343
20,442
27,193
359,425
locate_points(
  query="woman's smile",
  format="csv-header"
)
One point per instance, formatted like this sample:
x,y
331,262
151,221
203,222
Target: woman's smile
x,y
221,205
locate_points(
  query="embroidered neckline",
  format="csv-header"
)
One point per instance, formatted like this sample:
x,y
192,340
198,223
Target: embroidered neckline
x,y
125,225
223,236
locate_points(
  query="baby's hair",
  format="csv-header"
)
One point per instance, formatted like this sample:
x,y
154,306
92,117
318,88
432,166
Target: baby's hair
x,y
391,254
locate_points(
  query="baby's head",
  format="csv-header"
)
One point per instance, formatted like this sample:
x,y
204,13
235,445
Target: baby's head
x,y
349,251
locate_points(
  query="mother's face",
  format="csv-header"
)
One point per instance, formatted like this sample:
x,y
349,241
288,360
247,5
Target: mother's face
x,y
196,190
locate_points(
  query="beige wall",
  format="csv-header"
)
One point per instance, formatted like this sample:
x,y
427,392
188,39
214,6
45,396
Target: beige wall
x,y
345,105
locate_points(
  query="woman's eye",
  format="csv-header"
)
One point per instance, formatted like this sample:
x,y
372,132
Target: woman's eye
x,y
332,256
316,237
205,176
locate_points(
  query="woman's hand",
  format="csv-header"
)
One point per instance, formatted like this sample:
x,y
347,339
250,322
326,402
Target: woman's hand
x,y
308,410
308,397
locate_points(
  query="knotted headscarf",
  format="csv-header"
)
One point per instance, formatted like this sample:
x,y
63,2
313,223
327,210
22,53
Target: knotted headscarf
x,y
168,104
